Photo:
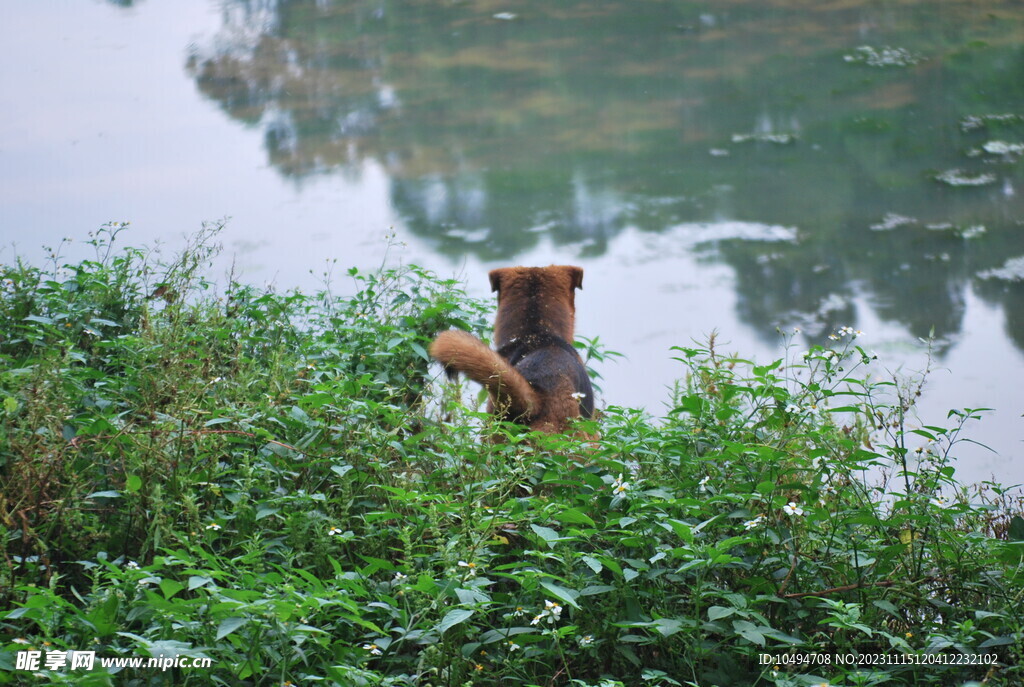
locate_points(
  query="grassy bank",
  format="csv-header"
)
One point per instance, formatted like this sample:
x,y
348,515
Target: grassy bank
x,y
276,482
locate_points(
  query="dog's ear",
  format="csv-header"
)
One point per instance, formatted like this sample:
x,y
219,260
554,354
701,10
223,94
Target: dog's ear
x,y
496,276
575,276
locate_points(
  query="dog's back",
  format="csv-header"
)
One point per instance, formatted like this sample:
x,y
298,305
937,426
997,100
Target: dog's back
x,y
536,377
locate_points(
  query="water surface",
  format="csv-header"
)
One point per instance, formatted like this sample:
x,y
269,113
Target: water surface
x,y
733,165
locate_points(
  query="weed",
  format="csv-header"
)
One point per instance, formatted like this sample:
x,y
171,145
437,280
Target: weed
x,y
273,482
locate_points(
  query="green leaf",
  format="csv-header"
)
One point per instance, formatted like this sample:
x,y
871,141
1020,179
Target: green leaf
x,y
170,587
549,535
216,421
716,612
196,581
576,517
567,595
749,631
264,511
229,625
420,351
341,470
593,563
682,530
596,589
132,483
668,626
453,618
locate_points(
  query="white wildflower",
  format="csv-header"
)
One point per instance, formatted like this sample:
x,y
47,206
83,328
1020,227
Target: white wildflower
x,y
619,488
751,524
792,508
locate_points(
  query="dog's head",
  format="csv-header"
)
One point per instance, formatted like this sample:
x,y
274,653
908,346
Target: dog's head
x,y
531,298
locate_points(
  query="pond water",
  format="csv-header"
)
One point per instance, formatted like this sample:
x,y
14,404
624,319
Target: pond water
x,y
729,166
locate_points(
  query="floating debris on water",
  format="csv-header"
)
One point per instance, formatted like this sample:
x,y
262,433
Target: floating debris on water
x,y
974,122
1012,271
956,177
1003,148
718,152
882,57
892,221
780,139
973,232
506,16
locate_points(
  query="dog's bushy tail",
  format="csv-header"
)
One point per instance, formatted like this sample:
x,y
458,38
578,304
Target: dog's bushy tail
x,y
460,351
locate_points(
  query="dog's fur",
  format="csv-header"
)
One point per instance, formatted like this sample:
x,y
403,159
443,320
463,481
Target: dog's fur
x,y
536,377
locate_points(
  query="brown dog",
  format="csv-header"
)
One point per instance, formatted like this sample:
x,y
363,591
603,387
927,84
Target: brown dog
x,y
536,377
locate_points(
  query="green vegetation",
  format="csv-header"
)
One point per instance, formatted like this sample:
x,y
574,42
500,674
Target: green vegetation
x,y
274,481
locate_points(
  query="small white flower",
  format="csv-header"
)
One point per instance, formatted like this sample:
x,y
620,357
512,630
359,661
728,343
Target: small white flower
x,y
512,646
578,395
555,609
399,577
334,531
585,640
552,612
792,508
213,526
833,337
792,408
940,502
702,486
20,640
131,565
470,567
751,524
619,487
373,649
